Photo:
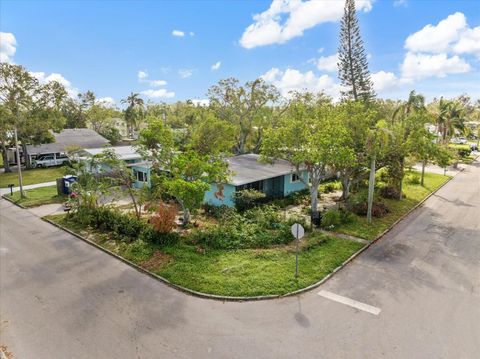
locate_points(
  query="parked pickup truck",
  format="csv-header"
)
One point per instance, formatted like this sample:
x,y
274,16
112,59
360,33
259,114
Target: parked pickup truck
x,y
50,160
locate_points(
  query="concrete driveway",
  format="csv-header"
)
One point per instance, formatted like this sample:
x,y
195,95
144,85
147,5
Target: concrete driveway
x,y
414,294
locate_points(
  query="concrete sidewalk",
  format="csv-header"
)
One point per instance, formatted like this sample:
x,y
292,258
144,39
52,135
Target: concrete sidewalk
x,y
30,186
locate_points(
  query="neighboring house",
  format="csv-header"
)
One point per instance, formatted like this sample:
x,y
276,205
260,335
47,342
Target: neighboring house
x,y
84,138
276,180
125,153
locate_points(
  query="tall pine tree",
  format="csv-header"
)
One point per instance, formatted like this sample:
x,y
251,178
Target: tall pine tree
x,y
353,66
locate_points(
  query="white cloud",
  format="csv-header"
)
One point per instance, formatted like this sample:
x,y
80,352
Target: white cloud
x,y
157,83
294,80
185,73
438,38
107,101
327,63
397,3
216,65
469,42
192,33
418,66
178,33
268,27
142,74
384,80
160,93
201,102
43,79
8,46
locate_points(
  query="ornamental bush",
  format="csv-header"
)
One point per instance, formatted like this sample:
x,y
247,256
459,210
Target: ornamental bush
x,y
247,198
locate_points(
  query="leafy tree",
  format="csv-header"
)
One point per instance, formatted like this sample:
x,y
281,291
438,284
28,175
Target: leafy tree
x,y
156,143
408,120
241,106
449,116
212,136
310,138
357,119
121,176
134,112
421,144
353,65
102,120
189,178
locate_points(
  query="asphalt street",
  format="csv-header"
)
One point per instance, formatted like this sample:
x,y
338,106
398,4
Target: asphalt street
x,y
413,294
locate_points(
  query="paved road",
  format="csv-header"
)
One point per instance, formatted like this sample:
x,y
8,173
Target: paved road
x,y
61,298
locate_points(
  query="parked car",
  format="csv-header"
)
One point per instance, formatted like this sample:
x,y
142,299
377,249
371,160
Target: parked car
x,y
50,160
459,141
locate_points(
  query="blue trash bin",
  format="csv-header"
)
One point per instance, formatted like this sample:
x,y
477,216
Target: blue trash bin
x,y
68,181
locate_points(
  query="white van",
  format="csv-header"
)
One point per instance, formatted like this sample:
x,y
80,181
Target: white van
x,y
50,160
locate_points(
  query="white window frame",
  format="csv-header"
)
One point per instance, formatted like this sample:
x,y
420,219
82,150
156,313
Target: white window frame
x,y
292,176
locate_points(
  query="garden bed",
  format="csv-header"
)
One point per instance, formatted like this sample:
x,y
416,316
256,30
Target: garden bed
x,y
415,193
241,272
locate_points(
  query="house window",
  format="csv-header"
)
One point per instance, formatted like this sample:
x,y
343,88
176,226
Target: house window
x,y
141,176
258,185
294,178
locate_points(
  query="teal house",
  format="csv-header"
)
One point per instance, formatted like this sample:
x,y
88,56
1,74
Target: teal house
x,y
276,180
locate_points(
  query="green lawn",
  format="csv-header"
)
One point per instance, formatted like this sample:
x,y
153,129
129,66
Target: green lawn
x,y
359,227
232,273
38,196
37,175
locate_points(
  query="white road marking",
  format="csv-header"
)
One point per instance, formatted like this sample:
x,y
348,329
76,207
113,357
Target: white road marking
x,y
350,302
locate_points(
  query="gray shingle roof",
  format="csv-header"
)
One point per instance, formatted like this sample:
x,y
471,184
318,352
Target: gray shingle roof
x,y
81,137
248,168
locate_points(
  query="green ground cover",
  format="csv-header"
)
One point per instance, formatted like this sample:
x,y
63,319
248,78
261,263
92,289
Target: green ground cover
x,y
247,272
359,227
38,196
36,175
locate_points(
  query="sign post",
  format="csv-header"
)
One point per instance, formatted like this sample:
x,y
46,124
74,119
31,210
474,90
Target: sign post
x,y
298,232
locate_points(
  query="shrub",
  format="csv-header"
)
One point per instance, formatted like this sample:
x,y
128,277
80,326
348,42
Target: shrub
x,y
412,178
164,219
358,204
247,198
331,218
381,176
266,216
149,234
217,212
379,209
330,187
255,228
389,192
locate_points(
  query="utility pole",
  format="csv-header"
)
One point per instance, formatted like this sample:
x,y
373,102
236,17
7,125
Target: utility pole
x,y
19,165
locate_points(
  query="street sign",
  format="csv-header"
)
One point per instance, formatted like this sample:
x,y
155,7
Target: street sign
x,y
297,231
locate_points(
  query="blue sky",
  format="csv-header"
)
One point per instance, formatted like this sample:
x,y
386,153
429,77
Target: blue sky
x,y
105,45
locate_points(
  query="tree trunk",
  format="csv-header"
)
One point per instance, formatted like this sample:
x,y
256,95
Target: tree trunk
x,y
400,184
28,164
186,213
424,163
314,199
345,188
135,204
371,188
6,165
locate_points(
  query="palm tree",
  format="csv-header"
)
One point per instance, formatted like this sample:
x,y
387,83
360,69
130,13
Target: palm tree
x,y
414,104
133,112
450,116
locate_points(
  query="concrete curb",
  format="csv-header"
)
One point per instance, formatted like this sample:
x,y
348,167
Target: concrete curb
x,y
12,201
253,298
